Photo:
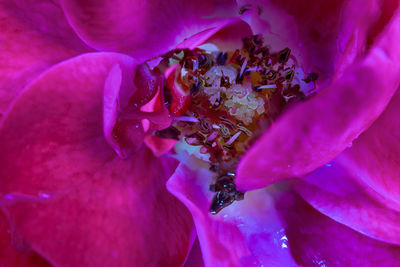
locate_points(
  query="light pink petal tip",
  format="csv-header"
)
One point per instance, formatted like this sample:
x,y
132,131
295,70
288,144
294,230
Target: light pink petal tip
x,y
314,132
34,36
143,28
334,191
66,192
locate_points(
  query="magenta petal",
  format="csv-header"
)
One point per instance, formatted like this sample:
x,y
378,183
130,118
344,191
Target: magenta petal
x,y
34,36
142,28
335,193
12,253
67,193
314,132
246,233
374,156
317,240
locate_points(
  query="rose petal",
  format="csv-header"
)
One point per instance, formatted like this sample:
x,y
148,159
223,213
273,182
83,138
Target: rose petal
x,y
142,28
314,132
195,258
317,240
12,252
374,156
128,86
72,198
34,36
333,191
324,36
246,233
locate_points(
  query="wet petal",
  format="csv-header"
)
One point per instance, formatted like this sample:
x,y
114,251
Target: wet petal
x,y
34,36
142,28
246,233
69,196
314,132
333,191
317,240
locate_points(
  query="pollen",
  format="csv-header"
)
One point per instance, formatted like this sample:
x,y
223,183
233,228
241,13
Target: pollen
x,y
234,96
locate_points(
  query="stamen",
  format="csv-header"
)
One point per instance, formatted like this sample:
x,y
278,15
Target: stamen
x,y
230,92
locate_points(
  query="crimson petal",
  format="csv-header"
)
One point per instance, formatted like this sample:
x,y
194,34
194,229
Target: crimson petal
x,y
67,193
34,36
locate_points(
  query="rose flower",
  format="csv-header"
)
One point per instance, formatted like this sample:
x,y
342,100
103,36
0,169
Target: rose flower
x,y
199,133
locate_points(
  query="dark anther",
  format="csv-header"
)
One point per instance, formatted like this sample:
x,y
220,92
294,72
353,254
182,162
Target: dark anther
x,y
289,75
203,61
257,39
188,64
256,88
311,77
284,55
271,75
217,103
225,81
226,193
195,139
195,88
239,78
221,58
167,96
170,133
221,200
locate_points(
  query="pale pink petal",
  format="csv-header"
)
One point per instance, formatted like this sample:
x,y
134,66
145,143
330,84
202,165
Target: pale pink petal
x,y
247,233
142,28
333,191
67,193
34,36
314,132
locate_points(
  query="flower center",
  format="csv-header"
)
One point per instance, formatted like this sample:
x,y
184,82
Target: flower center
x,y
223,100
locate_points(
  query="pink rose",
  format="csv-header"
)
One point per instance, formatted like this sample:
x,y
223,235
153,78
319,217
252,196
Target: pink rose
x,y
84,182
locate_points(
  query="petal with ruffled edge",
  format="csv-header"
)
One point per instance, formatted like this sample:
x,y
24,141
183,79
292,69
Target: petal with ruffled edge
x,y
34,36
333,191
314,132
68,195
248,232
142,28
317,240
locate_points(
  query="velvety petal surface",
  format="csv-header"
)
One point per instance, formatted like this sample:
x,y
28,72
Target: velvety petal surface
x,y
374,156
317,240
247,233
143,28
34,35
314,132
67,193
333,191
12,250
